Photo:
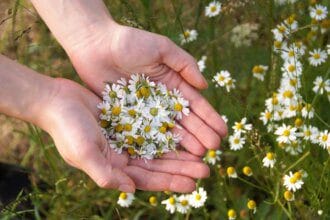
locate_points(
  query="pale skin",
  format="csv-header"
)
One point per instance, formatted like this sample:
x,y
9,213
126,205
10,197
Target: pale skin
x,y
102,50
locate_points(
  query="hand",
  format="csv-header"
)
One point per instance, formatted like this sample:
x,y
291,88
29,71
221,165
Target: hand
x,y
71,119
115,51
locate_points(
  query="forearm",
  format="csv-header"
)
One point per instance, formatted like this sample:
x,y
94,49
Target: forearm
x,y
24,94
71,20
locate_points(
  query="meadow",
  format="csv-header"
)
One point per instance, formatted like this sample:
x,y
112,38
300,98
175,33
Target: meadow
x,y
268,68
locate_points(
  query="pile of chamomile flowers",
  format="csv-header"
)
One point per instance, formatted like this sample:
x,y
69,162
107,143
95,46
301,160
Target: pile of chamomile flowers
x,y
137,116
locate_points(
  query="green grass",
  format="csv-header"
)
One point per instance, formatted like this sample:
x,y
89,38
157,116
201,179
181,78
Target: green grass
x,y
66,193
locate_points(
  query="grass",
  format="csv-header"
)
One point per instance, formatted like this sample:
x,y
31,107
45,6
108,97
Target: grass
x,y
61,192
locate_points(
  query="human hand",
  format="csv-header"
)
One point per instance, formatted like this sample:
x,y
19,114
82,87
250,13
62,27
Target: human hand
x,y
115,51
70,117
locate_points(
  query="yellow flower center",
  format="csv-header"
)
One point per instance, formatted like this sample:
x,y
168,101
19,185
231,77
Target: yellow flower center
x,y
186,34
274,101
319,12
116,110
236,141
307,133
131,151
139,140
231,213
221,78
129,140
103,111
286,132
268,115
153,200
112,94
324,137
298,122
293,179
239,126
247,171
184,202
297,175
316,56
178,107
119,128
127,127
171,200
251,204
123,196
104,123
288,195
198,197
288,94
147,128
291,53
132,112
162,129
277,44
212,153
293,82
291,68
231,171
145,92
270,156
153,111
281,29
213,8
258,69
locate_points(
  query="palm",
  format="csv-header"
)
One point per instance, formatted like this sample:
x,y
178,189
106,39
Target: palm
x,y
81,143
108,57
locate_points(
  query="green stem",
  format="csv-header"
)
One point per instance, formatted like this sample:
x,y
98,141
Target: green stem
x,y
253,185
298,161
284,209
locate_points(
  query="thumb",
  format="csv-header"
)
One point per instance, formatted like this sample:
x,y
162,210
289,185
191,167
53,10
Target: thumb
x,y
182,62
100,170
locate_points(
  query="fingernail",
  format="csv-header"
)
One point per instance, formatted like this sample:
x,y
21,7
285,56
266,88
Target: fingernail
x,y
126,188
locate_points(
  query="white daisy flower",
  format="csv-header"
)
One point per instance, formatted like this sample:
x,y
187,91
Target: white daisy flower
x,y
259,72
182,205
125,199
221,78
293,182
236,141
307,111
286,134
170,204
198,198
319,12
324,139
231,172
213,9
188,36
310,133
224,118
269,160
265,116
292,68
242,126
212,156
317,57
201,63
320,85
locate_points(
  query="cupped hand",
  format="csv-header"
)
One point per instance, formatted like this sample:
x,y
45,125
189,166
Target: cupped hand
x,y
71,119
117,51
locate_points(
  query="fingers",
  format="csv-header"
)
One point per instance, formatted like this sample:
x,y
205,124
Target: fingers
x,y
202,108
189,141
178,167
206,135
182,62
100,170
154,181
180,155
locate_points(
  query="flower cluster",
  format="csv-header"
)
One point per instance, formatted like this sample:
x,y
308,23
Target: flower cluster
x,y
244,34
238,138
136,116
184,203
224,79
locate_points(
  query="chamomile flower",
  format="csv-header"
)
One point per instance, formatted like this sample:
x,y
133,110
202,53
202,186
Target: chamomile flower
x,y
307,111
265,116
319,12
310,133
182,204
247,171
242,126
188,36
320,85
236,141
125,199
286,134
213,9
198,198
231,172
259,71
269,160
288,196
292,68
231,214
212,156
251,204
170,204
293,182
201,63
324,139
153,200
317,57
224,118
